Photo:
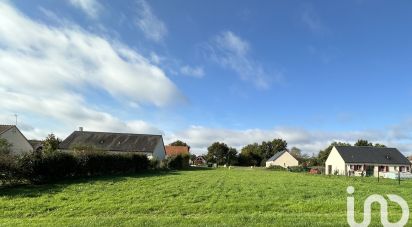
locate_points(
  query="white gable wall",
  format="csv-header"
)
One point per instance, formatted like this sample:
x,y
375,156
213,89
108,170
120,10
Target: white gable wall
x,y
285,160
18,141
337,163
159,152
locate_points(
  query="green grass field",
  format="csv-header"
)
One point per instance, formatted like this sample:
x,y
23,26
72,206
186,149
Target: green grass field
x,y
215,197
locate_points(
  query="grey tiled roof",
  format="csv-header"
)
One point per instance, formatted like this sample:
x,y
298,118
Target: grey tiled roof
x,y
276,156
108,141
373,155
4,128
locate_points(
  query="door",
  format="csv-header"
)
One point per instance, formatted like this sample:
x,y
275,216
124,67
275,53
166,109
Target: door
x,y
329,169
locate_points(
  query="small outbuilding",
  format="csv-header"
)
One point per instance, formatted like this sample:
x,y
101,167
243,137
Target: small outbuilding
x,y
283,159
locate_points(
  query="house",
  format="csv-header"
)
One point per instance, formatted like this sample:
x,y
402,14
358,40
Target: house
x,y
200,160
176,150
13,136
150,145
365,161
37,145
283,158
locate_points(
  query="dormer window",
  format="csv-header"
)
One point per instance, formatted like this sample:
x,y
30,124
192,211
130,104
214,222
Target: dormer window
x,y
388,157
101,141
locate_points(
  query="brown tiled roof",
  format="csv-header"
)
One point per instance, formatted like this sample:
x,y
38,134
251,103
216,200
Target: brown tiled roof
x,y
4,128
108,141
176,150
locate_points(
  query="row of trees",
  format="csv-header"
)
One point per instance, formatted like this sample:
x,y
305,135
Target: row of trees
x,y
256,154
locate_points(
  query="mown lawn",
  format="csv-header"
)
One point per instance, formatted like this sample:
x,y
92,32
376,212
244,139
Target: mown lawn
x,y
215,197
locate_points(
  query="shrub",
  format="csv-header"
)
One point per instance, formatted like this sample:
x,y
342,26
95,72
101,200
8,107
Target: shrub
x,y
180,161
5,147
276,168
298,169
9,173
42,168
98,163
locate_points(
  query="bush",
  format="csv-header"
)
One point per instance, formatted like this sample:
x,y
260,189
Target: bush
x,y
98,163
298,169
276,168
9,173
180,161
41,168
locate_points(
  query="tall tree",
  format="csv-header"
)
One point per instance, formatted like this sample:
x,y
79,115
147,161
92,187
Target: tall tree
x,y
231,157
221,153
250,155
269,148
179,143
323,154
363,143
51,143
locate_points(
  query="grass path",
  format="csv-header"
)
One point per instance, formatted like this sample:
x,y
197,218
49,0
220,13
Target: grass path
x,y
235,197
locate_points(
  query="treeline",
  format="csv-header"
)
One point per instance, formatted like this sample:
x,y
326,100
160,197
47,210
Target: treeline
x,y
257,154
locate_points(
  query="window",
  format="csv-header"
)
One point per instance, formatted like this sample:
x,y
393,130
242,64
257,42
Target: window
x,y
357,167
383,168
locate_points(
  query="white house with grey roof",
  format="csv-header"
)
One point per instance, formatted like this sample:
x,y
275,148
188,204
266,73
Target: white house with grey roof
x,y
150,145
283,159
19,143
365,161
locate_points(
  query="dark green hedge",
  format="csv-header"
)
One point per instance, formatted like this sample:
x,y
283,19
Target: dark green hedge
x,y
43,168
180,161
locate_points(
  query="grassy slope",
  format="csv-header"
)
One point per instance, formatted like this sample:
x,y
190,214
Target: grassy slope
x,y
203,197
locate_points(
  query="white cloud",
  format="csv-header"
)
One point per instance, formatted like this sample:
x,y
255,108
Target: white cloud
x,y
310,142
192,71
91,7
152,27
46,71
311,19
232,52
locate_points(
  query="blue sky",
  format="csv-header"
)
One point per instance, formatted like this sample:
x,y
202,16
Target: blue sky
x,y
310,72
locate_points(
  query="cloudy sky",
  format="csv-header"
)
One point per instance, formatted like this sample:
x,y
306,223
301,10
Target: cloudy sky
x,y
232,71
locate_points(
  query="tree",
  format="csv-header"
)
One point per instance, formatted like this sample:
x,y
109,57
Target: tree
x,y
51,144
231,156
193,157
221,153
250,155
5,147
269,148
179,143
297,153
379,145
363,143
323,154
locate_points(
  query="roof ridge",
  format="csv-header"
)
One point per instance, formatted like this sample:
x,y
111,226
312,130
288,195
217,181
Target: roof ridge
x,y
124,133
369,147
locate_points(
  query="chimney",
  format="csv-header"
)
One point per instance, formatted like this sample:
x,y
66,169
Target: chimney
x,y
81,129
